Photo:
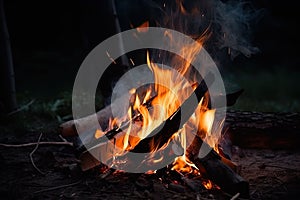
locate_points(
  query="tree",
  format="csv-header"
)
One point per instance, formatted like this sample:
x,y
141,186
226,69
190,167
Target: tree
x,y
7,79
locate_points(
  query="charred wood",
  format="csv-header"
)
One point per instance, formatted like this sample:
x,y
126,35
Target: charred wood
x,y
215,169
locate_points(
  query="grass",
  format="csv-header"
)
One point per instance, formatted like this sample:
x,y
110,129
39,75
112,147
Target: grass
x,y
272,90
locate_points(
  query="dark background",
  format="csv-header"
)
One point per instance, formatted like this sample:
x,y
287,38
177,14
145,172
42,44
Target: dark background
x,y
50,39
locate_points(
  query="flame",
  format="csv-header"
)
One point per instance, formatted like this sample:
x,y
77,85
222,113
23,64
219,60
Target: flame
x,y
143,27
170,90
172,86
182,164
207,121
207,184
99,133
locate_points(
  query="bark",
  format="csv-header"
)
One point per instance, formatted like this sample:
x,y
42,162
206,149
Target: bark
x,y
215,169
7,84
263,130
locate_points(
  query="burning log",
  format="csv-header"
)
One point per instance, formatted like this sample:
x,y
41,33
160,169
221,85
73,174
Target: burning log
x,y
215,169
213,164
68,129
160,136
164,132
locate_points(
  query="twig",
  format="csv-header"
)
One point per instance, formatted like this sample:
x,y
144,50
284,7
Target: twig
x,y
31,154
235,196
280,167
57,187
35,143
229,195
62,138
253,192
21,108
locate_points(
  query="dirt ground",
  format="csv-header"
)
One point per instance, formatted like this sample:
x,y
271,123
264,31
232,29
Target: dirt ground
x,y
271,175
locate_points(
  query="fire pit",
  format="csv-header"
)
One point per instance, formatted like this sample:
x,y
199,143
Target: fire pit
x,y
169,123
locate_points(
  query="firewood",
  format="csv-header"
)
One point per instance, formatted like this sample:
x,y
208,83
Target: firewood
x,y
68,128
164,132
215,169
263,130
91,157
157,138
231,99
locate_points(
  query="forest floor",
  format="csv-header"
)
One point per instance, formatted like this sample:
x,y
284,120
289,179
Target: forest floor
x,y
272,174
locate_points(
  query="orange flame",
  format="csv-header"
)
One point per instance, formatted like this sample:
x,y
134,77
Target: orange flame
x,y
171,89
143,27
207,184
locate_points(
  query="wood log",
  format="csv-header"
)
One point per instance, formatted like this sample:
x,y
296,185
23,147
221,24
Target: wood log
x,y
90,159
171,125
263,130
215,169
109,135
68,129
158,137
164,132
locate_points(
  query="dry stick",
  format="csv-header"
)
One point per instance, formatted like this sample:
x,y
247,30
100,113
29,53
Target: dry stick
x,y
235,196
57,187
36,147
21,108
239,197
281,167
62,138
31,154
36,143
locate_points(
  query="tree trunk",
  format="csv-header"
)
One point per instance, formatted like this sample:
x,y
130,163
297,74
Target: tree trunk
x,y
124,59
263,130
7,84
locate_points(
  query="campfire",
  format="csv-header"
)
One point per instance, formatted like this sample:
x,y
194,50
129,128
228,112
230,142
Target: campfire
x,y
168,124
148,116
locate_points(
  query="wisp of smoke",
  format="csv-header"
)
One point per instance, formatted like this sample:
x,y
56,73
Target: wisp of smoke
x,y
228,22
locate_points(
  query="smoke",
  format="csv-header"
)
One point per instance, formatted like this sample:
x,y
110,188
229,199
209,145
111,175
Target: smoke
x,y
226,26
229,23
232,26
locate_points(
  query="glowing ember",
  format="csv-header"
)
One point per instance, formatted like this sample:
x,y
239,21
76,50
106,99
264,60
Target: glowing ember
x,y
181,164
207,184
143,27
